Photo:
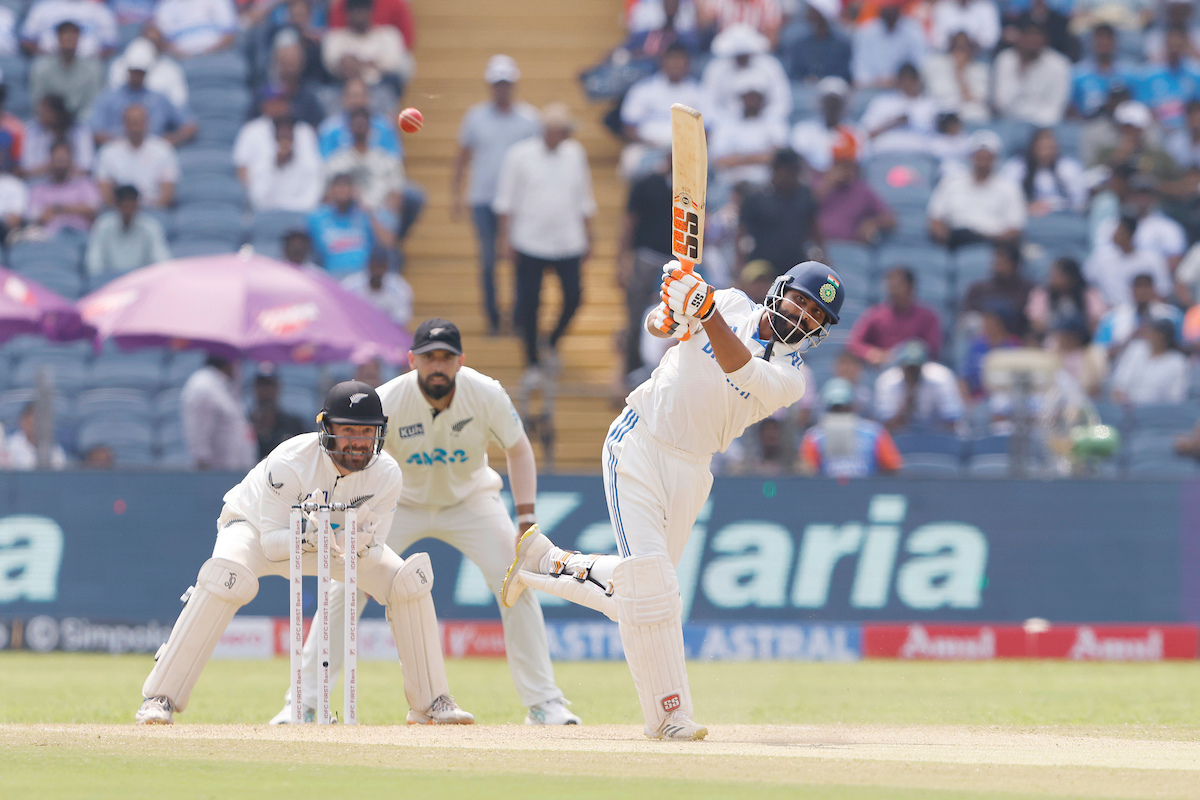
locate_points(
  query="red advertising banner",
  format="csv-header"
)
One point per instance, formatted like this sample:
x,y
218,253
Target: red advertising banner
x,y
473,639
1038,640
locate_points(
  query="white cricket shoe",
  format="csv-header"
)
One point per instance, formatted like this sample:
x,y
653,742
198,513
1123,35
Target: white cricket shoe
x,y
552,712
284,717
156,711
531,547
679,728
444,711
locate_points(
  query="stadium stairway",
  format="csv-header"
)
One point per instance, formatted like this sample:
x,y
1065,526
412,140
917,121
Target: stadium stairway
x,y
552,43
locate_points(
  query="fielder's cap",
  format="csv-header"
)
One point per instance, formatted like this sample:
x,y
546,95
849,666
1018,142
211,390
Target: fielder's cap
x,y
833,85
1131,112
837,392
740,40
829,9
501,68
437,334
912,353
985,140
140,55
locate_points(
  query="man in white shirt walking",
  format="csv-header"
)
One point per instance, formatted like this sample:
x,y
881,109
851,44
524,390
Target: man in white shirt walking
x,y
545,206
442,416
341,463
740,363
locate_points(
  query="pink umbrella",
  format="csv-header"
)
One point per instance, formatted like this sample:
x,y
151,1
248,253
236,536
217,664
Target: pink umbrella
x,y
243,305
28,307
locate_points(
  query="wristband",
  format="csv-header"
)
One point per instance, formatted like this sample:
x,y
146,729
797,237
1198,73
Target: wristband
x,y
523,518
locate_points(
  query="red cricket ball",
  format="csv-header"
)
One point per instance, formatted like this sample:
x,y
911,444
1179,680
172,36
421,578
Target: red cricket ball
x,y
411,120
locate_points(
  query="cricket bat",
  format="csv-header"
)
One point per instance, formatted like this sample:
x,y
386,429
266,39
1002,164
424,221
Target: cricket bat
x,y
689,185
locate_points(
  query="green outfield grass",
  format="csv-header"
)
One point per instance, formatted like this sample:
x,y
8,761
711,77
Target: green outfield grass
x,y
1137,701
107,689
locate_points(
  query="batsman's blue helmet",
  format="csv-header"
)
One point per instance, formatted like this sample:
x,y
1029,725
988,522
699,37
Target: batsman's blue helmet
x,y
821,285
818,282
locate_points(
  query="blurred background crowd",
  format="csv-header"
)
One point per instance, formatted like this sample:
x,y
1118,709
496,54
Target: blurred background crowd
x,y
985,176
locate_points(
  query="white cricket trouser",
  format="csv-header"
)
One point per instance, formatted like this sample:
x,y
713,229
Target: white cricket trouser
x,y
654,491
480,528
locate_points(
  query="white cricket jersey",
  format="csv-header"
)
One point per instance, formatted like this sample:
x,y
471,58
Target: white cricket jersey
x,y
691,404
298,467
444,456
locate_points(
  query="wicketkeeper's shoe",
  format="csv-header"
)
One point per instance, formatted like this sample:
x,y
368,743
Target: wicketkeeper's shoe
x,y
444,711
678,728
531,548
156,711
552,712
284,717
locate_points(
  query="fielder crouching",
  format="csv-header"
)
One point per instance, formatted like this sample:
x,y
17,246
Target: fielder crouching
x,y
340,464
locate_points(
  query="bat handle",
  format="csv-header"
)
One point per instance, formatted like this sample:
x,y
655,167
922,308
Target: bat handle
x,y
688,266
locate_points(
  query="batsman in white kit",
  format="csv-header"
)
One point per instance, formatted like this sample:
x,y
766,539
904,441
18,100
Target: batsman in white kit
x,y
442,417
738,362
341,466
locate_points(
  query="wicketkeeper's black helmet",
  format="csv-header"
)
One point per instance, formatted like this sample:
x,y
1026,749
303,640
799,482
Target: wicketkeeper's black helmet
x,y
352,403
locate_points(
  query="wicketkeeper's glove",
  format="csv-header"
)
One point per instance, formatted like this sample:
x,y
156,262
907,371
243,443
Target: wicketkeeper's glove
x,y
686,293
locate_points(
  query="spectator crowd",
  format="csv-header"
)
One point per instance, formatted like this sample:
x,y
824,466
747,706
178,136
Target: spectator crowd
x,y
985,175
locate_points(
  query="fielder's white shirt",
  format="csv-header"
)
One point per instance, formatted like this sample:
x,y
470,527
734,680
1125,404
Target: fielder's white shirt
x,y
691,404
298,467
444,456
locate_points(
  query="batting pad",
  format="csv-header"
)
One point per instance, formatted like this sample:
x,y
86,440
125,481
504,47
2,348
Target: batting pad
x,y
415,629
586,594
222,587
650,616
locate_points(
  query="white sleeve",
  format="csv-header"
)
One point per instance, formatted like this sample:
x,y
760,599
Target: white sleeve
x,y
280,490
775,385
632,111
522,472
1177,391
504,422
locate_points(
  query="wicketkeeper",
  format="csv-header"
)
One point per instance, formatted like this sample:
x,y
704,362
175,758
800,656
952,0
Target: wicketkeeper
x,y
341,463
739,363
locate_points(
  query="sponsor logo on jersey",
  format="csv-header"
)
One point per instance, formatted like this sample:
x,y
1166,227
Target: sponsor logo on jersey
x,y
275,487
671,702
409,431
358,501
462,423
437,456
